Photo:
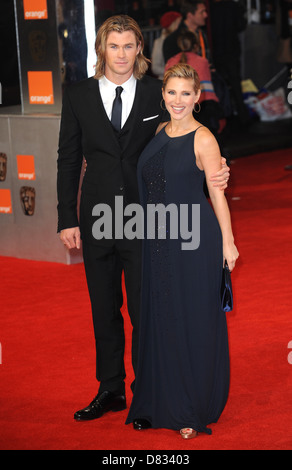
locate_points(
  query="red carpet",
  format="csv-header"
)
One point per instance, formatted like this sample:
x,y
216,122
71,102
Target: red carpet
x,y
46,336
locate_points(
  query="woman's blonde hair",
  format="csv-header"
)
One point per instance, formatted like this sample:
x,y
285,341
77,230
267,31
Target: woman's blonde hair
x,y
182,71
119,24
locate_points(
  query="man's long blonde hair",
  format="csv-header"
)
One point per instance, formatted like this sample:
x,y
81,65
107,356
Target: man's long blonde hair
x,y
119,24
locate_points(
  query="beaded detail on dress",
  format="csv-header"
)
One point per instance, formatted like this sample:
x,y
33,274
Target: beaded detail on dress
x,y
154,178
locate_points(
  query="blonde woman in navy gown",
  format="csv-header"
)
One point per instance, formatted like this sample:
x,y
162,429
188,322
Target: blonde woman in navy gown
x,y
182,381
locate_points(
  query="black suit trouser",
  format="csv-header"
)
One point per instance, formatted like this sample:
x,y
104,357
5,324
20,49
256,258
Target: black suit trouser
x,y
103,267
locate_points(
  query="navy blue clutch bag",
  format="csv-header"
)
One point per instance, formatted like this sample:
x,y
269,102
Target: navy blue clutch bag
x,y
226,290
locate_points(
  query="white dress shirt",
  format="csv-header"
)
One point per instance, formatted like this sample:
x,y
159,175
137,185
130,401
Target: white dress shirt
x,y
108,94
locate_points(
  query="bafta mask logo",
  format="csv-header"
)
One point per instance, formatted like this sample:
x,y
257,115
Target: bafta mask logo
x,y
3,166
37,45
27,197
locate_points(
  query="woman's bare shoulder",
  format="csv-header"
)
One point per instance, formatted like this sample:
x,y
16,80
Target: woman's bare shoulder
x,y
205,141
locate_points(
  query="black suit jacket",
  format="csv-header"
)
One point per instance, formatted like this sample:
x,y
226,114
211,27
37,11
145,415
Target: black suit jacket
x,y
111,158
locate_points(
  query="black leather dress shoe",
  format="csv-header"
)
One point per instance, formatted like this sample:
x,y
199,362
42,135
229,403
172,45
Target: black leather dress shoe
x,y
140,424
102,403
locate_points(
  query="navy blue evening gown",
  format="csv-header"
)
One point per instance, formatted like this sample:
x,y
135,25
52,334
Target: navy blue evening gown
x,y
182,378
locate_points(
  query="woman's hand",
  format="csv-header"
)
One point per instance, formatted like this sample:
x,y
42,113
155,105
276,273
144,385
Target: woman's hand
x,y
230,254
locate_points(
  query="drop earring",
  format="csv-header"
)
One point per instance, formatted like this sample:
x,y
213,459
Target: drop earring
x,y
197,110
161,102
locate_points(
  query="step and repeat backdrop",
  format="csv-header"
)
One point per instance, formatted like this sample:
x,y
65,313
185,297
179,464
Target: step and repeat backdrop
x,y
52,45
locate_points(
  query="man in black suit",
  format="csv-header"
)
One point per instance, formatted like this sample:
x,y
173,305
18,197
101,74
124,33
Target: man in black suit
x,y
109,127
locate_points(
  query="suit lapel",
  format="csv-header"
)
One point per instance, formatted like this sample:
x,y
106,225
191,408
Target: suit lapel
x,y
135,114
101,116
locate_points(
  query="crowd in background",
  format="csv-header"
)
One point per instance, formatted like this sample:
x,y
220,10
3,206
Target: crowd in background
x,y
185,38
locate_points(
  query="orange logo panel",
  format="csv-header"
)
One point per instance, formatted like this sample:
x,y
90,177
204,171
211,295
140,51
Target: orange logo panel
x,y
35,9
5,201
40,87
25,166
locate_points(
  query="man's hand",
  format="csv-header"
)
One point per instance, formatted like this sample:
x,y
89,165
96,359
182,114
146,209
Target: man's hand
x,y
221,178
71,237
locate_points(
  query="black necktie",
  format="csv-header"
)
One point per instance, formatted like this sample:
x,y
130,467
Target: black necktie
x,y
117,109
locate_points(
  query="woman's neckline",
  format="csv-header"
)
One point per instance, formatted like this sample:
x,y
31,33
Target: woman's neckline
x,y
183,135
